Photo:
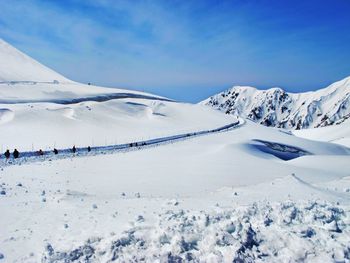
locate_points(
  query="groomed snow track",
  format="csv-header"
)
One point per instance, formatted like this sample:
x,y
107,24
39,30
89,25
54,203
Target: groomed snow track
x,y
32,156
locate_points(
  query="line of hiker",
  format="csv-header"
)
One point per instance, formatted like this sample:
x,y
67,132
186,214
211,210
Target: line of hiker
x,y
16,153
40,152
136,144
8,154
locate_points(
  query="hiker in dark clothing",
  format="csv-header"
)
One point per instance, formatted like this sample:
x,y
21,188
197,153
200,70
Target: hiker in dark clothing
x,y
40,152
15,154
89,149
74,149
7,154
55,151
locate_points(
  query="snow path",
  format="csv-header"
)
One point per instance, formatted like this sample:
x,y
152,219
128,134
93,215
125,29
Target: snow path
x,y
320,189
32,156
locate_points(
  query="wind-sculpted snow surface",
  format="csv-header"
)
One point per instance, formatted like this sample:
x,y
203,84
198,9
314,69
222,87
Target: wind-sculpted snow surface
x,y
263,232
278,108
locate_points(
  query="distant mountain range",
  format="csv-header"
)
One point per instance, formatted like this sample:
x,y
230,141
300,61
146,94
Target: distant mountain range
x,y
278,108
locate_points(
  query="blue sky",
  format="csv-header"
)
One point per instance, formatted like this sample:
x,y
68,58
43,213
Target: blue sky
x,y
186,50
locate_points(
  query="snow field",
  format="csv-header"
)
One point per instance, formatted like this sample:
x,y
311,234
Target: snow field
x,y
276,232
122,198
249,194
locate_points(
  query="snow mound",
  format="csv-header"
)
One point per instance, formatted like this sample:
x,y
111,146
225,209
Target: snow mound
x,y
66,112
6,115
314,231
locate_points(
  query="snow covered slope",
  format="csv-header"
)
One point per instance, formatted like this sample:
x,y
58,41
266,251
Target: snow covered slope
x,y
17,66
64,93
38,112
212,199
47,125
339,134
23,80
275,107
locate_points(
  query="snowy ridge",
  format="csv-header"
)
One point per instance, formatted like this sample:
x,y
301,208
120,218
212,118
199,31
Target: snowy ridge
x,y
97,98
64,93
278,108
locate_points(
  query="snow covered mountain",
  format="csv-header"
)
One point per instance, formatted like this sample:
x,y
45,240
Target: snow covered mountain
x,y
24,80
55,111
278,108
17,66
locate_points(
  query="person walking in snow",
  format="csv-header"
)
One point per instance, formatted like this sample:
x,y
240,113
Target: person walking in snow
x,y
7,154
74,149
40,152
89,149
55,151
15,154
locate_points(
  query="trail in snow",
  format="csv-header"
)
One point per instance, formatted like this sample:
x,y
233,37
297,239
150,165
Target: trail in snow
x,y
320,189
32,156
